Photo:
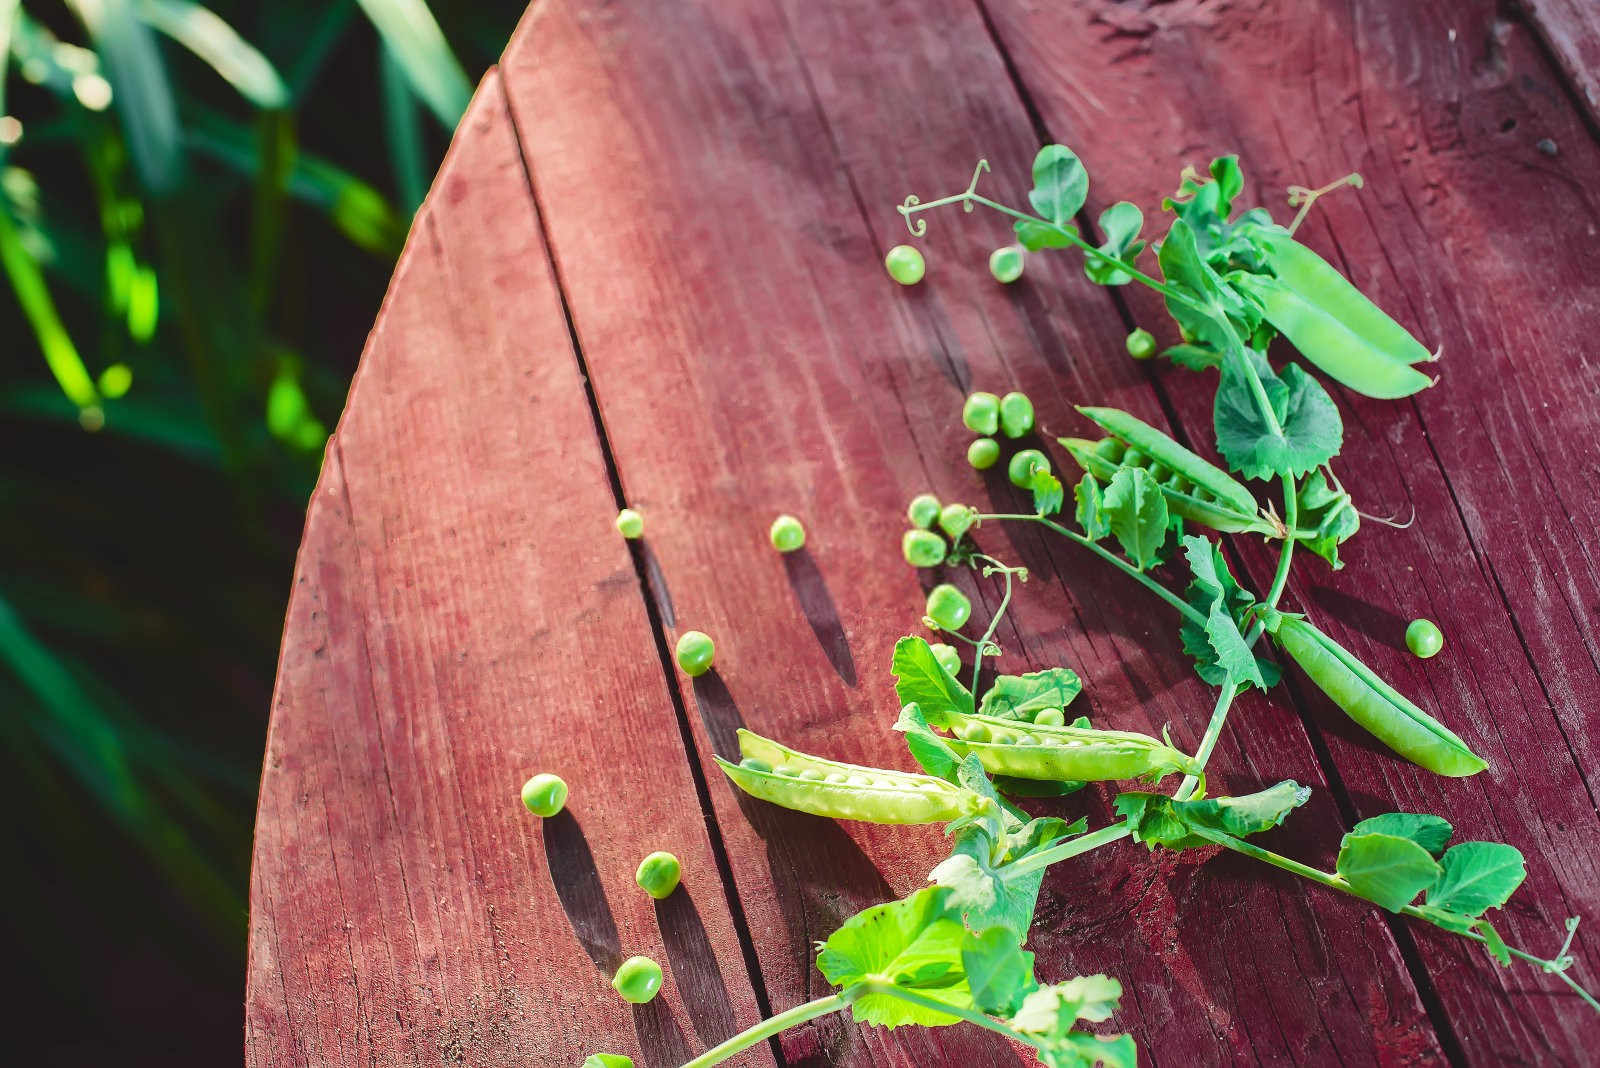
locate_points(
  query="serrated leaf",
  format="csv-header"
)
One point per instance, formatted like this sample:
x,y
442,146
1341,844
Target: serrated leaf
x,y
1120,223
1187,272
1024,696
1091,508
1309,432
998,969
1156,819
1053,1010
920,679
1430,832
1048,494
914,943
1218,648
1233,655
988,894
1328,511
1385,869
1136,512
1477,876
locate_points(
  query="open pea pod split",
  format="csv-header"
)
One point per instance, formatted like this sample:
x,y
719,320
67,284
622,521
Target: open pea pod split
x,y
1332,323
792,779
1054,754
1194,488
1385,712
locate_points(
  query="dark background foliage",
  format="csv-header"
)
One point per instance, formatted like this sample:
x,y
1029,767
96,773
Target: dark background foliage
x,y
232,260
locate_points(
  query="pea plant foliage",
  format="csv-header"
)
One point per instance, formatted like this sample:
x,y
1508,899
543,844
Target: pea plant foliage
x,y
952,953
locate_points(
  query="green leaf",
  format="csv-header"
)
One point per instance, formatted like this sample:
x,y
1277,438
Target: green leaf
x,y
1494,943
928,749
409,30
1477,876
1158,820
1120,223
1309,431
141,92
1048,494
1329,512
1429,832
998,969
1080,1050
1136,512
402,122
1060,184
989,892
218,45
1386,870
1024,696
1091,508
1193,357
920,679
1053,1010
1219,648
913,943
1187,271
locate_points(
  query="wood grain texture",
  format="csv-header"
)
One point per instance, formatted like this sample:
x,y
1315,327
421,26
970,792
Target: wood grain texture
x,y
1473,237
463,615
763,363
1571,30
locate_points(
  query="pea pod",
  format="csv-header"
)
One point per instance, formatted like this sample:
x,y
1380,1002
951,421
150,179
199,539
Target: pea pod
x,y
1373,703
1333,324
1055,754
1191,500
1137,434
841,791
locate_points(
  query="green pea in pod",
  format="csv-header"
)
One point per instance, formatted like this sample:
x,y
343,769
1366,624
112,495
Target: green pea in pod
x,y
776,773
1200,491
1333,324
1386,713
1045,752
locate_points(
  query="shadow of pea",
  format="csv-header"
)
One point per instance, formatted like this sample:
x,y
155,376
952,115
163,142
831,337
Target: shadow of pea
x,y
817,604
695,968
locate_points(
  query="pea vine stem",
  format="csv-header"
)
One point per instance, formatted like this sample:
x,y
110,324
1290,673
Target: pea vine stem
x,y
767,1028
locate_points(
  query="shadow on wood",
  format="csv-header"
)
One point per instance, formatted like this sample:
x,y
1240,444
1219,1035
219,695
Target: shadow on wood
x,y
694,968
811,590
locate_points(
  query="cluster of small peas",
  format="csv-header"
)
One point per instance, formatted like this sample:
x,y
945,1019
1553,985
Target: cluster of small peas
x,y
906,265
1011,415
1114,451
973,731
811,773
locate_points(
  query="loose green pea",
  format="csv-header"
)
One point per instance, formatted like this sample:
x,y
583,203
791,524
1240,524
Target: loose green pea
x,y
630,524
923,511
658,874
1423,638
1141,344
1006,264
955,520
638,980
1050,717
948,657
905,264
948,607
922,548
983,453
787,534
607,1060
981,414
695,653
545,794
1016,414
1023,464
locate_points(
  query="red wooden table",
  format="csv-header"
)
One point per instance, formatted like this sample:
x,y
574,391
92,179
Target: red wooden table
x,y
650,271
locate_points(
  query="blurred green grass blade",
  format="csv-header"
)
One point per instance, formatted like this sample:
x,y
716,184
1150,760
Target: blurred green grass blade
x,y
355,207
315,46
204,33
405,132
146,416
140,90
408,27
27,282
277,145
8,19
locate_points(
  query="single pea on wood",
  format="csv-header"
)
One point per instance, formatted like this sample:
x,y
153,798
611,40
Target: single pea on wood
x,y
983,453
545,794
1424,638
787,534
630,524
696,651
922,548
981,414
948,607
658,874
638,980
923,511
1006,264
905,264
1016,414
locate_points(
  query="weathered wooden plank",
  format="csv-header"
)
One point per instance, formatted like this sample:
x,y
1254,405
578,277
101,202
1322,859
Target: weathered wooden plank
x,y
1474,238
750,357
1571,30
462,615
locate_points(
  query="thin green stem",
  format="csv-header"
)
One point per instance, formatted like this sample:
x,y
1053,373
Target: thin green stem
x,y
1126,568
972,1016
1067,850
1291,515
1219,716
999,613
766,1029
